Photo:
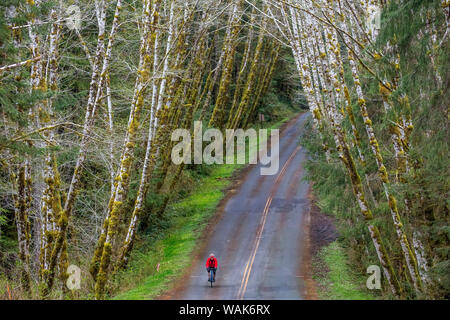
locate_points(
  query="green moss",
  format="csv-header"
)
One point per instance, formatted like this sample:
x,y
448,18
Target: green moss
x,y
340,282
173,252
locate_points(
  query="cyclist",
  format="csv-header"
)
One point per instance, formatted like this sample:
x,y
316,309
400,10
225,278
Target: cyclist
x,y
211,265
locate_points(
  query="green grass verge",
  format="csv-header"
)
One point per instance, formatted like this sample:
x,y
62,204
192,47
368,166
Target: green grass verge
x,y
173,252
338,282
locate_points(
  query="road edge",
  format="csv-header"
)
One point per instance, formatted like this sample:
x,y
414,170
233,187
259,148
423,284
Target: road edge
x,y
236,179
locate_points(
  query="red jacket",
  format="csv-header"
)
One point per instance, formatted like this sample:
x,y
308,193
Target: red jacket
x,y
211,263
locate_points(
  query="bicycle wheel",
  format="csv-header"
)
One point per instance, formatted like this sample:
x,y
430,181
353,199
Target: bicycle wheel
x,y
211,278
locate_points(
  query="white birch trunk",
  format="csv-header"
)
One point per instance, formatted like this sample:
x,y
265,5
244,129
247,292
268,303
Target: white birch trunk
x,y
406,249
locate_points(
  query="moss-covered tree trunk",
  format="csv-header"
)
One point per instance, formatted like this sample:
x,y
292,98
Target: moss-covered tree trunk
x,y
116,202
242,70
219,112
250,84
22,206
335,115
408,252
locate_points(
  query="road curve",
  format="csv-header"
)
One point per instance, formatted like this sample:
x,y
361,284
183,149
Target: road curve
x,y
258,239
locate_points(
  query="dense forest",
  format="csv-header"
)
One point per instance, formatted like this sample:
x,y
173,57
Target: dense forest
x,y
383,114
91,90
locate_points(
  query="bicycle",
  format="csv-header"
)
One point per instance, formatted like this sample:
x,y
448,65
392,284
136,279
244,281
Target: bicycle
x,y
211,277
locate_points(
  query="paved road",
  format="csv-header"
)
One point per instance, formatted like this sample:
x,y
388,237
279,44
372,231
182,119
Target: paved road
x,y
258,239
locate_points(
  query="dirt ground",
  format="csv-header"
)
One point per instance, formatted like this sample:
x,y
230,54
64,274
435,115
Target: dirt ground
x,y
319,231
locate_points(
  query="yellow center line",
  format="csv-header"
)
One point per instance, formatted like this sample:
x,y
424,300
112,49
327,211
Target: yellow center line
x,y
251,259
